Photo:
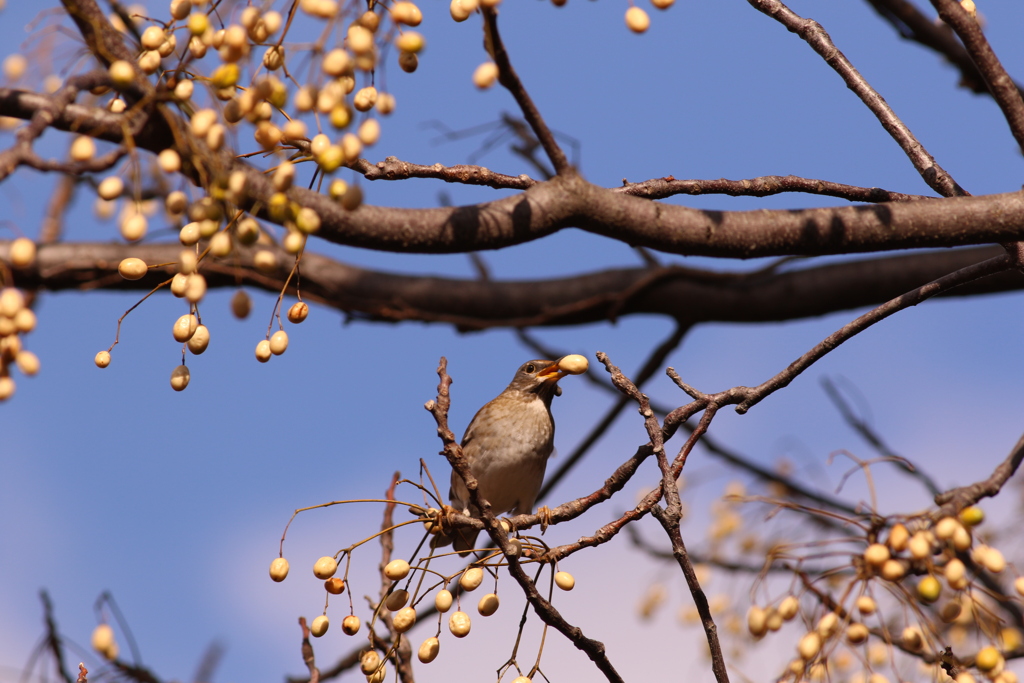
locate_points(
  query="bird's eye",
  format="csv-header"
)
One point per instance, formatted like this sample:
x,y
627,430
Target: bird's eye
x,y
530,367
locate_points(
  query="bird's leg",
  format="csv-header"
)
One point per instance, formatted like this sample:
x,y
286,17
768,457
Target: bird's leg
x,y
545,514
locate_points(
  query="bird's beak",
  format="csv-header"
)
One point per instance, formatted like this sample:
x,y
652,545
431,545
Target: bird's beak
x,y
551,373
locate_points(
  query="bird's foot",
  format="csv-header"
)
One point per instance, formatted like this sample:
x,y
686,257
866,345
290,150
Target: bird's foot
x,y
544,512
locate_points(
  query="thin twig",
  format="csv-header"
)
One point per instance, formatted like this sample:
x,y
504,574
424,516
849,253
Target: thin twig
x,y
508,77
876,442
595,650
763,186
815,36
1004,90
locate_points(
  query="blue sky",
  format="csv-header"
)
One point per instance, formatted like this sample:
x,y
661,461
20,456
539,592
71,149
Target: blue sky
x,y
175,502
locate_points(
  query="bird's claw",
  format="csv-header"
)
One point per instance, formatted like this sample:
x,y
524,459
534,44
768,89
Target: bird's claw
x,y
545,514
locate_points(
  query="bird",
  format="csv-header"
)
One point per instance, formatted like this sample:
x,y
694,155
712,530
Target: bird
x,y
507,445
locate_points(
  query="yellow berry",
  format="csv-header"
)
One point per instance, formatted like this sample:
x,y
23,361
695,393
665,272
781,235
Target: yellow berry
x,y
866,605
757,621
132,268
23,252
279,342
920,546
962,539
103,639
828,625
876,554
485,75
350,625
993,561
428,650
134,227
369,132
293,242
121,73
336,62
102,359
180,377
180,9
279,569
471,579
365,98
565,581
893,570
789,607
6,388
325,567
220,245
334,586
25,320
972,516
320,626
856,633
809,646
406,13
265,261
912,638
83,148
307,220
298,312
200,340
637,20
898,538
945,528
153,37
169,160
459,624
185,327
928,589
488,605
443,601
369,662
574,364
189,234
404,619
396,570
988,659
410,41
955,572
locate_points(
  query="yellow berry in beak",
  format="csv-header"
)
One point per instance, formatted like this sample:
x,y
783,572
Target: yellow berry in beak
x,y
574,364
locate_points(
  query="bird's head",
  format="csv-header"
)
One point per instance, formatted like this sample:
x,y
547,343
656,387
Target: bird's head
x,y
541,376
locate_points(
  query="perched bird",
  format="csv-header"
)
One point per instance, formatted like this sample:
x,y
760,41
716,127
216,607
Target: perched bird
x,y
508,443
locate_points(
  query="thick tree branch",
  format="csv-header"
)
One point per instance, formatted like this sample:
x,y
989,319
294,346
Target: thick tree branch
x,y
569,201
685,294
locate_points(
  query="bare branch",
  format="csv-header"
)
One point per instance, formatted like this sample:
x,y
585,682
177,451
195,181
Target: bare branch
x,y
913,25
508,77
764,186
1004,90
812,32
